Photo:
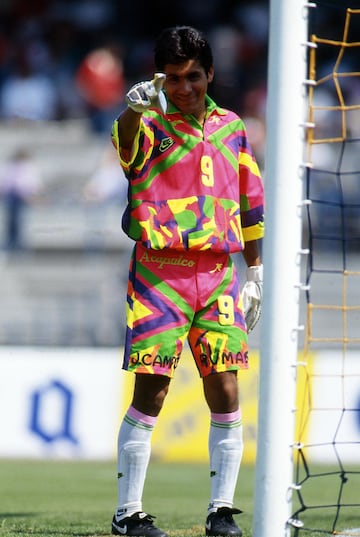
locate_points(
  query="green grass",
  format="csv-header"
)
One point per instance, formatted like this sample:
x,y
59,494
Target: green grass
x,y
77,498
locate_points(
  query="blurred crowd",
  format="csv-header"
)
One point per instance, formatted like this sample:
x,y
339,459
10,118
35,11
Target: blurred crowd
x,y
46,48
74,59
44,44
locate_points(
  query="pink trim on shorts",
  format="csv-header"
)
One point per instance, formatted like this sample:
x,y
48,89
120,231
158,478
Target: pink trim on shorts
x,y
226,417
139,416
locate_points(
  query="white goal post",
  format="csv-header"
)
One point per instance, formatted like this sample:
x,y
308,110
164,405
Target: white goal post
x,y
286,99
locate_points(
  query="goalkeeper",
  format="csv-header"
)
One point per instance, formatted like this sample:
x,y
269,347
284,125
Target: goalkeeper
x,y
195,198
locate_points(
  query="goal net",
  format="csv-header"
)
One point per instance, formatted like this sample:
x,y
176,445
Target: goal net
x,y
326,489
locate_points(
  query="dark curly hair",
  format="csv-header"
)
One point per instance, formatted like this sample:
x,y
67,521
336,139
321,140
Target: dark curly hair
x,y
178,44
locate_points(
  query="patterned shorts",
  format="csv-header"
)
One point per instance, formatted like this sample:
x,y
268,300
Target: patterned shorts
x,y
174,296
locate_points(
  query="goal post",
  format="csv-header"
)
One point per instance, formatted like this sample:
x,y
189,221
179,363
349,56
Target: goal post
x,y
282,259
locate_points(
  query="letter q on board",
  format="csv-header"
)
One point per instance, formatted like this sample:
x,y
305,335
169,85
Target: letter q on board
x,y
51,412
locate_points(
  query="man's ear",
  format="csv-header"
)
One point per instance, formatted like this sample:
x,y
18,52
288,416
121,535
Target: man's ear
x,y
210,75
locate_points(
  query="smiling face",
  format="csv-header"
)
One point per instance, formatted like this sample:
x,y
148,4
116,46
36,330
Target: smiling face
x,y
186,86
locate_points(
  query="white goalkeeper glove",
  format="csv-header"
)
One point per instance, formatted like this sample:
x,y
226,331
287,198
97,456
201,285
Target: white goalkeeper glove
x,y
252,296
147,94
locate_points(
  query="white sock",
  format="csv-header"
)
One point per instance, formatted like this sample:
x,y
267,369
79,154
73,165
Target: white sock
x,y
225,450
134,448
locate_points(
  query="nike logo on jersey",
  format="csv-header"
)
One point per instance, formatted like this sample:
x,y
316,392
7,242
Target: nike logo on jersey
x,y
165,144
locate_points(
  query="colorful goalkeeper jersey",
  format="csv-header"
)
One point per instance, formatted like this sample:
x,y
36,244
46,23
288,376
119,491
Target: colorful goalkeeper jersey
x,y
192,186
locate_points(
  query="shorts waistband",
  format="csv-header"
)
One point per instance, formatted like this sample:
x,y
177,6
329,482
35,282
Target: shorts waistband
x,y
184,258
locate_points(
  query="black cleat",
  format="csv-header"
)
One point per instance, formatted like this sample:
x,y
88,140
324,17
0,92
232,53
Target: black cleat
x,y
137,525
221,523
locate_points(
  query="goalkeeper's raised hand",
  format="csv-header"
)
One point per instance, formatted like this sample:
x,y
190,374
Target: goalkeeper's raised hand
x,y
149,94
252,296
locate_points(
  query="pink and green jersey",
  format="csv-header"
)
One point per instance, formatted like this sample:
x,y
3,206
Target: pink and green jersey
x,y
192,187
